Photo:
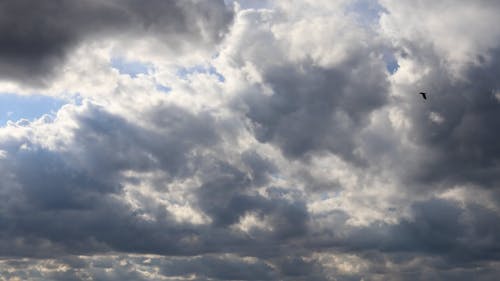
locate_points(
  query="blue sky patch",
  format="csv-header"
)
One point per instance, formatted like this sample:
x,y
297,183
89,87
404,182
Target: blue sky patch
x,y
183,72
15,107
163,88
391,63
131,68
368,11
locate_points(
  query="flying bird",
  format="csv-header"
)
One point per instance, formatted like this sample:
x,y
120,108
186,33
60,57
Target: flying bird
x,y
424,95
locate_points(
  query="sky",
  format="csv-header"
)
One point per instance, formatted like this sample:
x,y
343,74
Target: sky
x,y
249,140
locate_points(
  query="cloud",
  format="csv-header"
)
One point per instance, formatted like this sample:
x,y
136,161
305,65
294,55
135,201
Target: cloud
x,y
230,268
33,48
460,148
457,37
310,97
455,128
76,185
308,161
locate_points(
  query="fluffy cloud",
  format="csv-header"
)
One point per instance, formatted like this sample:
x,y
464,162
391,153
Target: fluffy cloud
x,y
458,70
288,149
37,36
309,97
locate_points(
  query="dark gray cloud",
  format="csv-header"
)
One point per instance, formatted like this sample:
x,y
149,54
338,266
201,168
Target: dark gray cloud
x,y
68,201
441,238
37,35
79,185
112,144
315,109
219,268
461,148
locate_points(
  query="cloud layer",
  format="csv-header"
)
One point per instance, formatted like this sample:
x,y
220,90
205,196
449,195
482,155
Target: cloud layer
x,y
289,148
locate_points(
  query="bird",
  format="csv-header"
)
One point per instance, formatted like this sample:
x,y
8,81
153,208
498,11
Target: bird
x,y
424,95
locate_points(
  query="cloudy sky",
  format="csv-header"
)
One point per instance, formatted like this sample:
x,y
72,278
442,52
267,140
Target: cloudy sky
x,y
249,140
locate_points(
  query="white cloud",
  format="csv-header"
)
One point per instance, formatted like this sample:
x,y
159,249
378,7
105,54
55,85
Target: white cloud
x,y
436,118
459,31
